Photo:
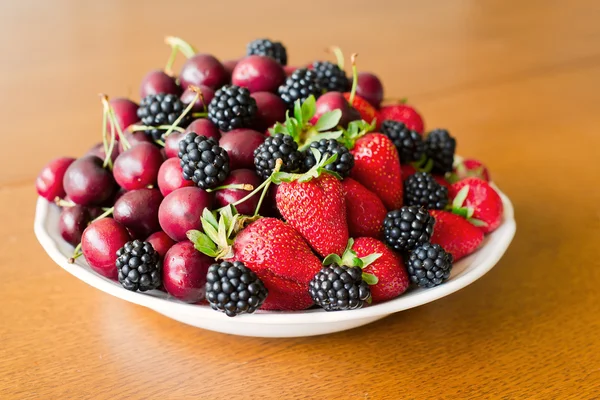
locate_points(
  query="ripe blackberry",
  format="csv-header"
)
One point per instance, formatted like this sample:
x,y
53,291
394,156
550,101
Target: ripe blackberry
x,y
161,109
337,288
277,146
328,147
408,227
139,266
429,265
265,47
409,143
234,289
333,79
440,147
421,189
203,160
299,86
232,108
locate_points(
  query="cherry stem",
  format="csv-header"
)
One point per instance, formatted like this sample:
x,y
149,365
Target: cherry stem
x,y
184,113
113,120
240,186
339,56
278,164
169,67
200,115
108,157
181,45
104,135
76,254
142,128
63,203
105,214
354,78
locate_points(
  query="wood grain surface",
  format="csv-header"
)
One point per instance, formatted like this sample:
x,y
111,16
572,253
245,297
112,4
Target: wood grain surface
x,y
517,82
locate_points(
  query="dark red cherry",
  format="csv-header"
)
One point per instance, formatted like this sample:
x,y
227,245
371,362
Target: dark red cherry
x,y
158,81
181,210
184,272
99,244
134,138
203,127
369,87
258,74
73,221
271,109
138,167
229,66
49,183
240,145
224,197
170,177
200,105
335,101
125,112
87,183
98,151
161,242
137,210
203,69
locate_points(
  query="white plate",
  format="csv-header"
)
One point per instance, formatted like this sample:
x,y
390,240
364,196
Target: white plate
x,y
270,323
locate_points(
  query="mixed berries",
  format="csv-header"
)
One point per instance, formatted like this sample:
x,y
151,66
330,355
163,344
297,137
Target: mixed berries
x,y
234,185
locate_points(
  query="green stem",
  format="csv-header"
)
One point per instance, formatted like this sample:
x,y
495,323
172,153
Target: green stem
x,y
105,214
104,138
278,165
113,120
143,128
63,203
354,79
240,186
184,47
171,61
339,56
200,115
108,158
76,254
184,113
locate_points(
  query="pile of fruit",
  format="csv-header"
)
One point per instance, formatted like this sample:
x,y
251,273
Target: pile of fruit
x,y
251,184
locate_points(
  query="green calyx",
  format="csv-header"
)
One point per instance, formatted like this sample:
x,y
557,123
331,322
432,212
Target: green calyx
x,y
302,131
313,173
356,130
350,259
424,164
458,207
462,172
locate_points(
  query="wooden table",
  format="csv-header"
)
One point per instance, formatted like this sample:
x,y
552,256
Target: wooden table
x,y
518,83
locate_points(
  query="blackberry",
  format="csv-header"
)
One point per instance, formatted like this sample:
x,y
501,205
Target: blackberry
x,y
421,189
429,265
328,147
139,266
409,143
203,161
440,147
408,227
161,109
337,288
333,79
232,108
278,146
299,86
265,47
234,289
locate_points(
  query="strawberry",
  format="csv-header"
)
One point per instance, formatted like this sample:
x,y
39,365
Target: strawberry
x,y
388,268
477,201
455,234
402,113
365,212
314,205
469,167
365,109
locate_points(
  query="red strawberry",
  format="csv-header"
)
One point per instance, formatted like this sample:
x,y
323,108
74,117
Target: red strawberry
x,y
477,201
281,259
470,167
317,210
377,167
455,234
388,268
365,109
365,212
402,113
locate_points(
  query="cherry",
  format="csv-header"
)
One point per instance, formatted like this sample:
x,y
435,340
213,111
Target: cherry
x,y
224,197
134,138
229,65
271,109
203,69
203,127
289,70
172,144
240,145
86,182
137,210
98,151
158,81
258,74
170,177
99,244
73,221
138,167
161,242
125,112
369,87
181,210
184,272
49,183
199,106
335,101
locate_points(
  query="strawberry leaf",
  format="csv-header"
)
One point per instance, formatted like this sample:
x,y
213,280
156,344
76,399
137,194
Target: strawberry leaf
x,y
369,278
332,258
309,107
461,196
319,136
202,243
477,222
370,259
312,173
328,120
298,113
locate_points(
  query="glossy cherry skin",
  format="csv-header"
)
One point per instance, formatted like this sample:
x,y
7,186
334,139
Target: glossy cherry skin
x,y
158,82
181,210
125,112
137,210
49,183
73,221
161,242
98,151
87,183
172,144
369,87
228,196
138,167
335,101
229,66
99,244
271,109
134,138
184,272
170,177
258,74
203,127
200,105
203,69
240,145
